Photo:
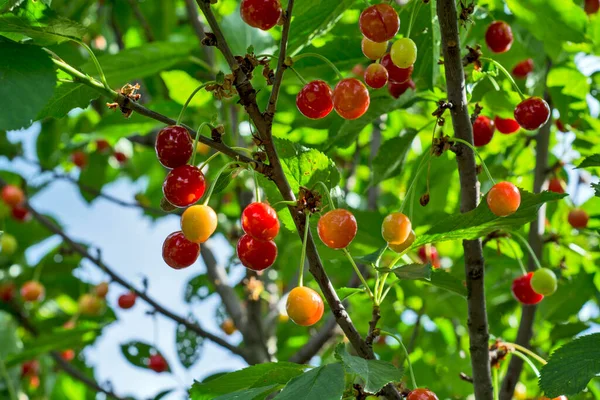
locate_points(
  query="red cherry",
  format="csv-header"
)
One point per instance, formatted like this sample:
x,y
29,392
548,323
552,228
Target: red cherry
x,y
20,213
358,70
157,363
79,158
184,186
127,300
120,157
178,252
32,291
102,146
376,76
556,185
561,127
30,368
522,69
351,98
7,291
506,125
261,14
12,195
429,254
504,199
398,89
379,22
315,100
483,131
260,221
578,218
396,74
337,228
591,6
173,146
523,291
68,355
532,113
422,394
256,254
499,37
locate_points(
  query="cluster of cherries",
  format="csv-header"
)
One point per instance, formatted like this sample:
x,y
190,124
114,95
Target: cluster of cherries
x,y
14,198
256,248
80,158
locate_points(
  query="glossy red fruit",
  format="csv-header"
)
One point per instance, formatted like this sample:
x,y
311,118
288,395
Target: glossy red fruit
x,y
523,292
173,146
121,157
127,300
12,195
556,185
157,363
379,22
429,254
376,76
422,394
20,213
260,221
578,218
504,199
398,89
315,100
261,14
7,291
591,6
561,127
79,158
30,368
67,355
351,98
499,37
32,291
102,146
184,186
532,113
178,252
483,131
304,306
256,254
522,69
337,228
395,73
506,125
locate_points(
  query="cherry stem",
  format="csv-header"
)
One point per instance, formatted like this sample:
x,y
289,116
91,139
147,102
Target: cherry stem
x,y
9,383
95,61
300,77
538,265
528,361
327,194
416,177
516,256
303,253
358,273
187,102
195,144
487,171
286,202
256,186
208,160
509,76
248,151
524,350
380,294
417,6
214,182
412,373
323,58
496,383
37,273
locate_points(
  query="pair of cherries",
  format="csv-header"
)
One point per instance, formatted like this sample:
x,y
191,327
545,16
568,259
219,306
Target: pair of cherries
x,y
350,98
531,288
14,197
256,248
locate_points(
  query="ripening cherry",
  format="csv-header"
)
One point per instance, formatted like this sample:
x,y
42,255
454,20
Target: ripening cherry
x,y
261,14
90,305
398,89
127,300
198,223
8,244
522,69
7,291
499,37
403,53
523,292
556,185
228,327
256,254
429,254
260,221
20,213
178,252
79,158
483,131
376,76
337,228
30,368
102,146
315,100
373,50
67,355
12,195
379,22
544,282
578,218
351,98
402,247
304,306
157,363
396,74
396,228
532,113
184,186
422,394
506,125
32,291
591,6
173,146
504,199
101,290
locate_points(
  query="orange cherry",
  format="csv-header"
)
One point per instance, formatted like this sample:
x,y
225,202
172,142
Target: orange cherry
x,y
337,228
396,228
304,306
504,199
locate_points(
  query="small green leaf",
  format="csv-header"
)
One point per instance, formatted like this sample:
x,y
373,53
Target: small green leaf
x,y
323,383
199,287
44,31
411,271
138,353
591,161
370,258
189,344
445,280
66,97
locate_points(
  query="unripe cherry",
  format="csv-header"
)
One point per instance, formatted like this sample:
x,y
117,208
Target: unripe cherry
x,y
90,305
255,254
503,199
8,244
337,228
101,289
532,113
499,37
198,223
261,14
483,131
506,125
315,100
376,76
402,247
173,146
396,228
351,98
544,282
523,292
260,221
304,306
228,327
578,218
12,195
379,22
403,53
32,291
178,252
373,50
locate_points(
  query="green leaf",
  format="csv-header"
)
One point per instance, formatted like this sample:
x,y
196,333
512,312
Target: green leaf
x,y
66,97
223,181
411,271
389,160
596,187
189,344
571,367
7,148
199,287
370,258
445,280
481,221
375,374
323,383
94,175
500,102
138,353
246,394
27,81
256,376
591,161
240,35
181,85
44,31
